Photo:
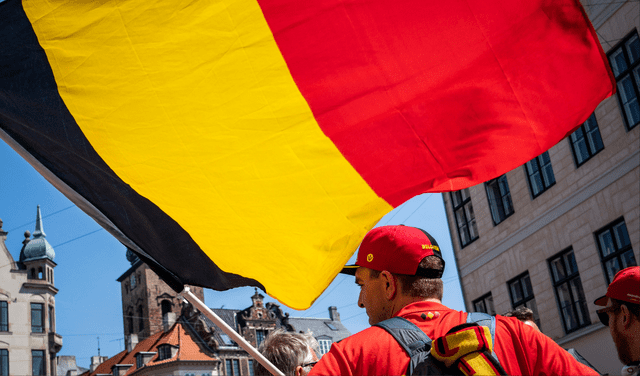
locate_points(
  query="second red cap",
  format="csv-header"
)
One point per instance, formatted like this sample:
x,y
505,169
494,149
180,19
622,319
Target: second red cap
x,y
625,287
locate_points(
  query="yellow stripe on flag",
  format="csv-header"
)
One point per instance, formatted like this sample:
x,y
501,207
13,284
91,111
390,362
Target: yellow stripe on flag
x,y
217,136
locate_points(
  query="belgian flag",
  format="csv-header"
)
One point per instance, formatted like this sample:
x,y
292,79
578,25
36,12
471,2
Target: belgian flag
x,y
244,142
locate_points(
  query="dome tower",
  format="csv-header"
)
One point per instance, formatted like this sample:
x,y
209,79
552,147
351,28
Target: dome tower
x,y
37,254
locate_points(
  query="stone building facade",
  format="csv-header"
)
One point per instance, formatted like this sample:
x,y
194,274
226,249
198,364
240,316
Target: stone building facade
x,y
551,234
28,339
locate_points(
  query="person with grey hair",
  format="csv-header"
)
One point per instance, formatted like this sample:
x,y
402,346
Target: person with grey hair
x,y
292,353
525,315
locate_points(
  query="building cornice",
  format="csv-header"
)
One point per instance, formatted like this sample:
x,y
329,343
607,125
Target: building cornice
x,y
129,271
37,260
38,285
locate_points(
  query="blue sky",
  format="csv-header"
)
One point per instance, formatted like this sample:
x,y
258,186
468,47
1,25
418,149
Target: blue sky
x,y
90,260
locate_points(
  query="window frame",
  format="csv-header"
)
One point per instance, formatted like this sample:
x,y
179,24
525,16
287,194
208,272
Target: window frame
x,y
130,320
261,335
42,313
4,362
467,222
586,136
567,280
44,365
251,366
488,297
232,367
4,312
539,163
324,344
618,251
164,351
51,319
525,299
493,184
629,71
140,319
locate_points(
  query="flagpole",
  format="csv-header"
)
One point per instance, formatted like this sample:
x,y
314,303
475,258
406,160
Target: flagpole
x,y
187,294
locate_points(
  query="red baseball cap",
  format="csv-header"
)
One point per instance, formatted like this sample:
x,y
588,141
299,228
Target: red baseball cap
x,y
397,249
625,286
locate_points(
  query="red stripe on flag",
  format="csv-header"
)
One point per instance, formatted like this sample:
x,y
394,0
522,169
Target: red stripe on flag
x,y
430,96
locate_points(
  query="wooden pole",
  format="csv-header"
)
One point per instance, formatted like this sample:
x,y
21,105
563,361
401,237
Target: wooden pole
x,y
237,338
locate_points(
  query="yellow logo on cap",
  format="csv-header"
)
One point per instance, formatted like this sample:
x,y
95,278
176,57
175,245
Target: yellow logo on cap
x,y
369,257
429,246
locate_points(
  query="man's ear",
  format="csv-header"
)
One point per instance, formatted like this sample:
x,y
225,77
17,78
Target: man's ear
x,y
390,284
626,316
299,371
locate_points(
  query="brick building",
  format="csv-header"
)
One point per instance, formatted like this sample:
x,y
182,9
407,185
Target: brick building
x,y
551,234
146,299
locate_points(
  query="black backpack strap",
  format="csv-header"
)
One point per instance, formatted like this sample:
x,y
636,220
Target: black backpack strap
x,y
411,338
484,319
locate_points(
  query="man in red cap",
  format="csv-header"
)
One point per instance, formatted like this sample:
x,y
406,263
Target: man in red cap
x,y
622,315
399,270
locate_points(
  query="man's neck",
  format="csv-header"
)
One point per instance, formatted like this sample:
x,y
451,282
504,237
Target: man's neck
x,y
402,301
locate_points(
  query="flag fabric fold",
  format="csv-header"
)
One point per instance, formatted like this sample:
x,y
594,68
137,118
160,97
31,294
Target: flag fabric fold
x,y
249,142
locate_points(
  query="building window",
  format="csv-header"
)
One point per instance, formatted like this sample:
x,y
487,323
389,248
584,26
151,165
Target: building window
x,y
4,316
586,141
484,304
139,361
625,62
499,199
522,295
233,367
37,363
252,371
615,248
51,320
4,362
164,352
37,318
129,320
324,345
569,293
540,174
260,336
465,218
133,282
165,307
140,319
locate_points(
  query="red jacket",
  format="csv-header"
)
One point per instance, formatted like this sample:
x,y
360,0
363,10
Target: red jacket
x,y
521,349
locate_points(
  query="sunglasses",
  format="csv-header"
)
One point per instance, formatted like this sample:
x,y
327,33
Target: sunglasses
x,y
603,316
309,364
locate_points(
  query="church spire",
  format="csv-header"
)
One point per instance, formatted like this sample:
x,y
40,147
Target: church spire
x,y
39,232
